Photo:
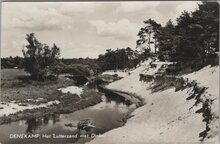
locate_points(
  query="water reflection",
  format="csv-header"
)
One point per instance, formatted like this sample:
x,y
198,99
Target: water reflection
x,y
55,118
117,99
31,125
35,123
109,102
105,116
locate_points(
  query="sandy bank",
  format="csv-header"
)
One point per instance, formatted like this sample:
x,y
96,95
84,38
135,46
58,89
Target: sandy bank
x,y
8,108
167,116
73,90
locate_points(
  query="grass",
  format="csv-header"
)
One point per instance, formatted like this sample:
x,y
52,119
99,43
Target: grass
x,y
67,104
20,91
10,74
13,87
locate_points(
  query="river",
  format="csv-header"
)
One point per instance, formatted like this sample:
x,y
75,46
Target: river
x,y
105,116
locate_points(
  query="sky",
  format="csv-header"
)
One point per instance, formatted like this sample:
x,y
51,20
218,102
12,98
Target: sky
x,y
82,29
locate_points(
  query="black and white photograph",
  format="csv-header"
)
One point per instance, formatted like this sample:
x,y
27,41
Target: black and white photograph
x,y
109,72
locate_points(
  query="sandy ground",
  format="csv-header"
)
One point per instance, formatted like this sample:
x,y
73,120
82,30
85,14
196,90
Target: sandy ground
x,y
208,77
12,107
73,90
166,117
7,108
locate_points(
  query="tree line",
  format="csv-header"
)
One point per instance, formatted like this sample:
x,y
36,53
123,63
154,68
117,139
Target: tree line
x,y
12,62
195,36
118,59
193,39
43,61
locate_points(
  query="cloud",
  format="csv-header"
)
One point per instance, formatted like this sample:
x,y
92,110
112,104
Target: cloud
x,y
13,48
71,49
78,7
34,18
174,9
123,29
161,11
187,6
168,7
82,28
136,6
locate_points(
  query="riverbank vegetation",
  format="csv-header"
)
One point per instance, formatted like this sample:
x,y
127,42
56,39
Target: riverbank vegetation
x,y
34,90
28,92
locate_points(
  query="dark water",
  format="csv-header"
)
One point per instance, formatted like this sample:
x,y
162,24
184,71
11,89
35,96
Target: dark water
x,y
104,116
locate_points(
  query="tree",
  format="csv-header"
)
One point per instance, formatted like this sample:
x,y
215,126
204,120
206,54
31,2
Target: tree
x,y
166,41
184,37
38,57
118,59
10,62
197,34
148,35
194,38
207,16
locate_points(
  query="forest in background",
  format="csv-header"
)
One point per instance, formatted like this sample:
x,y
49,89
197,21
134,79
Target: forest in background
x,y
192,42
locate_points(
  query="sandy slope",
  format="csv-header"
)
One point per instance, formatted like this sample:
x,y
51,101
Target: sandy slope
x,y
166,117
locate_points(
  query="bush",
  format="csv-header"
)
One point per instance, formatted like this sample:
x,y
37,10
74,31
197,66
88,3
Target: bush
x,y
39,57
